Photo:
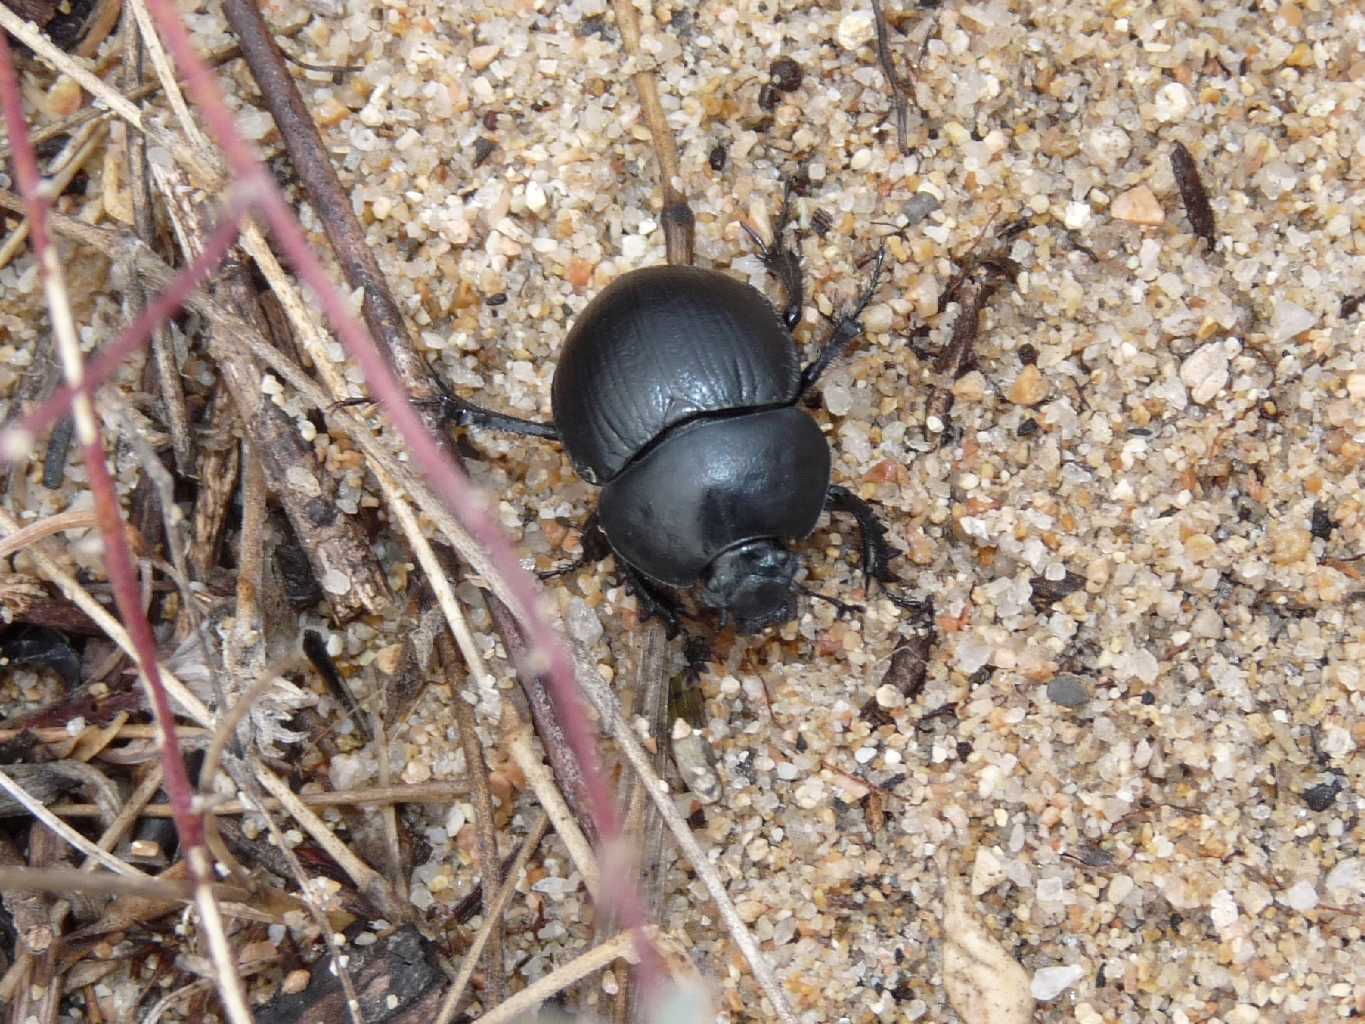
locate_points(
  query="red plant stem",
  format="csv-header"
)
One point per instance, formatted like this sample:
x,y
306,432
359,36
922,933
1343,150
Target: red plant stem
x,y
110,518
548,654
136,334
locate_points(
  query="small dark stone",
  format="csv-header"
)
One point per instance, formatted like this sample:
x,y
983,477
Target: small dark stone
x,y
1321,524
320,512
767,97
490,120
1149,698
1322,796
483,149
785,74
497,299
981,675
820,223
919,206
1028,354
1068,691
1048,592
719,153
964,750
1028,428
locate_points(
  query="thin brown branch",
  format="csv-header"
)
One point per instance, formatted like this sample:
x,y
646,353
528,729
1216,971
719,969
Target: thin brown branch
x,y
313,163
451,1003
168,380
342,560
375,796
544,715
477,772
679,224
893,80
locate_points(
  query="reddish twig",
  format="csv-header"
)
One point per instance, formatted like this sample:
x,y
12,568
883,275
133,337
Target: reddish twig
x,y
547,653
122,577
135,335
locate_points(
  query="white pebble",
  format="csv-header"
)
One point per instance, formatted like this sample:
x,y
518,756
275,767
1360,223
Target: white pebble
x,y
1301,896
1290,319
1107,146
535,197
1050,890
1223,909
1205,372
1173,101
1120,888
1347,879
1077,215
988,871
855,30
1050,982
633,248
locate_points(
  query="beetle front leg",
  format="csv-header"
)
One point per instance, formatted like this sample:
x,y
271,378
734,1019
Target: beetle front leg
x,y
876,553
594,545
653,599
783,263
845,331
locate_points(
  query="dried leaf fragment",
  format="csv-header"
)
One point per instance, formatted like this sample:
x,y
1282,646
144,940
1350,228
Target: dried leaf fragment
x,y
983,982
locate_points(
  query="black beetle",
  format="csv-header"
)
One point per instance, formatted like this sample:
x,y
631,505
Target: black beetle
x,y
678,392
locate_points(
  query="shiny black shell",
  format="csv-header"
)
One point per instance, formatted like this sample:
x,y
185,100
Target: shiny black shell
x,y
715,483
676,391
660,346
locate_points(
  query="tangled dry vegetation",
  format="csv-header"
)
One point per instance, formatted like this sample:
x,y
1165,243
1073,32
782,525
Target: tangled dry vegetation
x,y
1109,400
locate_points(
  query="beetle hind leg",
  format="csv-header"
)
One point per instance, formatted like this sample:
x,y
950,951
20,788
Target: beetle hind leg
x,y
845,329
782,262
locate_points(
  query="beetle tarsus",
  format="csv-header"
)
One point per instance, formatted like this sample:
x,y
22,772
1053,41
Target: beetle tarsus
x,y
846,329
783,263
466,414
843,609
876,553
594,545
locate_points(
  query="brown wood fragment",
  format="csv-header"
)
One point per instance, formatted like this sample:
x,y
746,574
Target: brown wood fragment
x,y
39,12
1192,191
909,668
893,81
343,561
396,979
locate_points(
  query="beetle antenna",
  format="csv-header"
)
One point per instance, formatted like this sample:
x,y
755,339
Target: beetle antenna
x,y
843,608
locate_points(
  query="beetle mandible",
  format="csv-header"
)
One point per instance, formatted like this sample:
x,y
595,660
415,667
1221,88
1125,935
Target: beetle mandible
x,y
678,393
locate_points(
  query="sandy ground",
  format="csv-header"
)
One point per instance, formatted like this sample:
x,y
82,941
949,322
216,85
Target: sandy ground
x,y
1154,780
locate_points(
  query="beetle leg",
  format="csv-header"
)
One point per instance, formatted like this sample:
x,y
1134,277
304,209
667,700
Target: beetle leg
x,y
845,330
876,552
782,263
595,548
653,599
467,414
841,608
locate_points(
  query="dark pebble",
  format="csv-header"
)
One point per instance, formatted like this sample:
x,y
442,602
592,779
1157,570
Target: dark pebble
x,y
1068,691
1322,796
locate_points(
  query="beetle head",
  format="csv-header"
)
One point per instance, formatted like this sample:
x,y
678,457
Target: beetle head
x,y
753,582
